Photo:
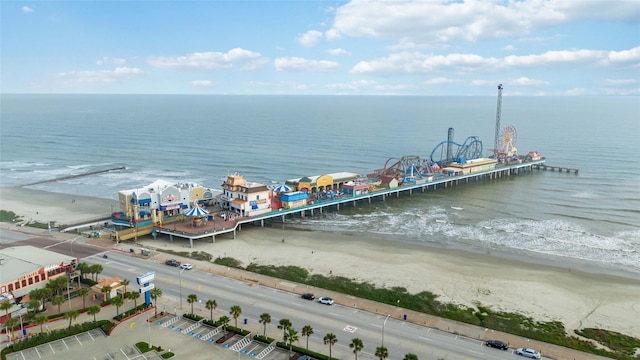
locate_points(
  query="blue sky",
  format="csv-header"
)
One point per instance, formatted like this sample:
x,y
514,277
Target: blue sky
x,y
360,47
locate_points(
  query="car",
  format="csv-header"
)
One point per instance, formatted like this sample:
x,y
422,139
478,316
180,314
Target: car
x,y
308,296
172,262
526,352
497,344
325,300
186,266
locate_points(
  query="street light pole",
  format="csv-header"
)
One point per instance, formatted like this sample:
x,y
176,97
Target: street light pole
x,y
383,325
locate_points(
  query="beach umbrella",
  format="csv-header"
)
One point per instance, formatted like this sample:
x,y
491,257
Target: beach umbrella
x,y
197,211
282,188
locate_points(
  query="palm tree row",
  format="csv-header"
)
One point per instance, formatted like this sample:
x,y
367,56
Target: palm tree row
x,y
289,334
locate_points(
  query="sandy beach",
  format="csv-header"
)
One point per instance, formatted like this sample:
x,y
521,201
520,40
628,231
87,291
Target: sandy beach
x,y
545,293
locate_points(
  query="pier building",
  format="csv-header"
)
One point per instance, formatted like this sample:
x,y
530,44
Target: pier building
x,y
244,198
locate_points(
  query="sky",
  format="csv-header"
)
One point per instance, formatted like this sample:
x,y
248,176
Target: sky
x,y
359,47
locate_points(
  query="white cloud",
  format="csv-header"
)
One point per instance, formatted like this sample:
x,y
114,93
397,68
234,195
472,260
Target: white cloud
x,y
338,51
624,56
415,23
509,48
202,83
352,86
26,9
102,76
525,81
204,60
440,81
109,60
332,34
301,64
254,64
310,38
416,62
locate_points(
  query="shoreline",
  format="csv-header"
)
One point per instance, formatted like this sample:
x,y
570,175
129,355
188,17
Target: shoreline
x,y
545,292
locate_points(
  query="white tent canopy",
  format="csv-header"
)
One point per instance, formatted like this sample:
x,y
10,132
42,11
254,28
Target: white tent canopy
x,y
197,211
282,188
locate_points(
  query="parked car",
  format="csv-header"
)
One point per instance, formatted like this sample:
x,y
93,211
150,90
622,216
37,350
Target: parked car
x,y
308,296
172,262
530,353
325,300
497,344
186,266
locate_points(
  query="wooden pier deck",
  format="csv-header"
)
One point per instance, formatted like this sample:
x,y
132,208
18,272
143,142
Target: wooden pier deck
x,y
217,226
558,168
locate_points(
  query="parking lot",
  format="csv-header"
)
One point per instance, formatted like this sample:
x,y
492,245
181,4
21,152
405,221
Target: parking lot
x,y
186,338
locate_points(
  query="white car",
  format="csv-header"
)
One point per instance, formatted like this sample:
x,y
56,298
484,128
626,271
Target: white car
x,y
530,353
186,266
325,300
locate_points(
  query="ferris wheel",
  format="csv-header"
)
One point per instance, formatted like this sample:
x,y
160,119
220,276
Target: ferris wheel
x,y
509,138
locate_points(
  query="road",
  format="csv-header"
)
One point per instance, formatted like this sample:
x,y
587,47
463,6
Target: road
x,y
346,323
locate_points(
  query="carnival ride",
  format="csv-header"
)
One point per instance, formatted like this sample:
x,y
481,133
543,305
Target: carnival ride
x,y
449,151
406,169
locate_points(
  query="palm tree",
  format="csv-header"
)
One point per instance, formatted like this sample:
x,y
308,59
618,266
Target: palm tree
x,y
330,339
134,296
265,319
93,310
192,298
410,357
224,321
46,294
284,324
73,314
235,311
106,290
357,345
124,283
307,331
382,352
211,305
58,300
155,294
84,269
117,301
83,292
11,323
96,269
291,336
6,306
41,320
34,305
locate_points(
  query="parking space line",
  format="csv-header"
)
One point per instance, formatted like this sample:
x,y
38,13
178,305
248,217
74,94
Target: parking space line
x,y
80,342
38,352
65,344
123,353
91,336
52,348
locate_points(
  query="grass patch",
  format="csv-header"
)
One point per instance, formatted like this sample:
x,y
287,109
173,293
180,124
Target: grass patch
x,y
9,216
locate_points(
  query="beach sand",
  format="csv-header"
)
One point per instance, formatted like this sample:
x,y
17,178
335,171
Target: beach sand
x,y
545,293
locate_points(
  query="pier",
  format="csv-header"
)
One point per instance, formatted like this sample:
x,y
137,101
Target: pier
x,y
558,168
217,226
67,177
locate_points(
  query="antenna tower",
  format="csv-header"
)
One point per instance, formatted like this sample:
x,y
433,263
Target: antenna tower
x,y
496,144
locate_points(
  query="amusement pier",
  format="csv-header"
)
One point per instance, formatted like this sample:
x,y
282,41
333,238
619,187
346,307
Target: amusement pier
x,y
194,212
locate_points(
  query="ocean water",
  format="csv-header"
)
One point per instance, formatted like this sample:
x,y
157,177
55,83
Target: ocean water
x,y
590,220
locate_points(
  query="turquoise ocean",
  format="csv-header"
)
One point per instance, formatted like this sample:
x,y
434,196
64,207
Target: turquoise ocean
x,y
588,221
